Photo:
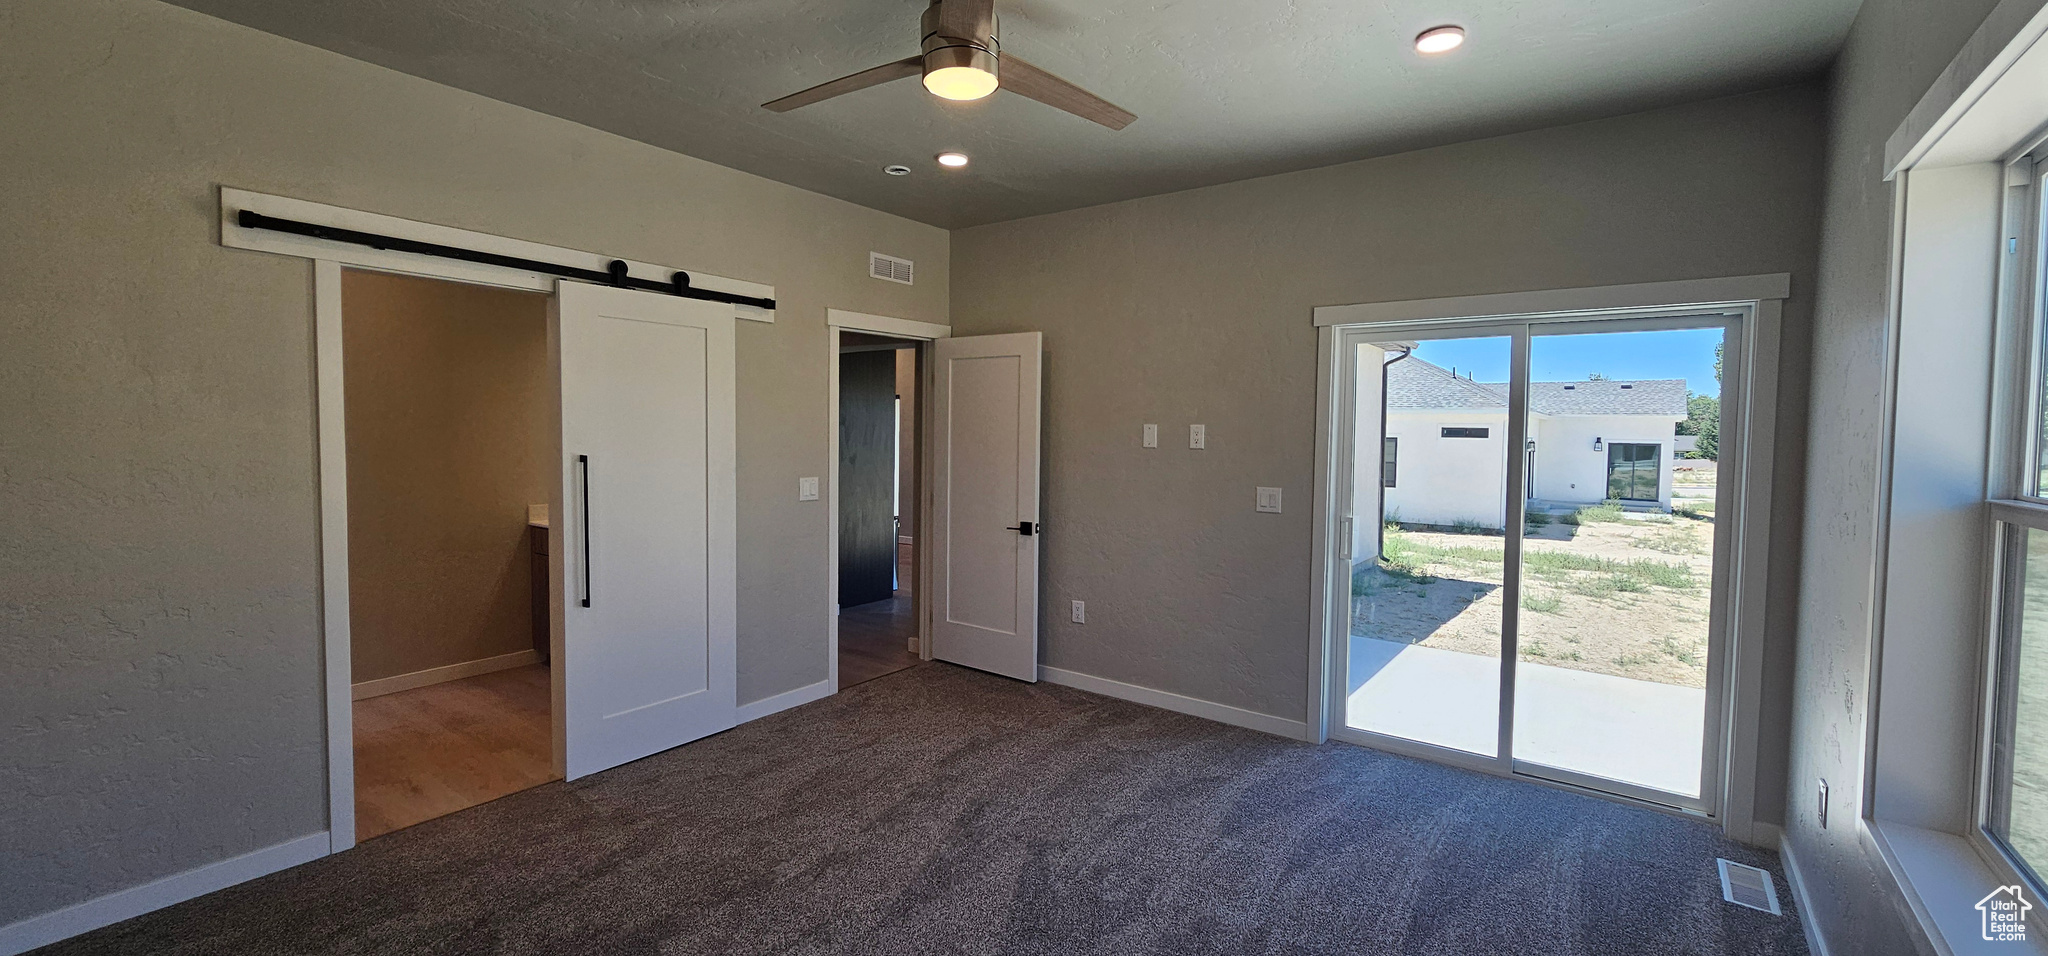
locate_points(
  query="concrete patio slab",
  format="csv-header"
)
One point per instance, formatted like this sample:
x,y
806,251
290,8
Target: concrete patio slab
x,y
1633,731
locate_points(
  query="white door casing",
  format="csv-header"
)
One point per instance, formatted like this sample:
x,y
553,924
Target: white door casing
x,y
985,439
644,546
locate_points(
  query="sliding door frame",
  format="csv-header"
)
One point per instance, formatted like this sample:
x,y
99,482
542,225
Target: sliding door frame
x,y
1750,309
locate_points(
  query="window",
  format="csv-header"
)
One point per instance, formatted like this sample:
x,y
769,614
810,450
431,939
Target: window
x,y
1462,432
1390,455
2013,807
2018,808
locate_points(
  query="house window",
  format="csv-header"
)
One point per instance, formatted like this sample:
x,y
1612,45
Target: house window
x,y
1463,432
1390,456
2014,808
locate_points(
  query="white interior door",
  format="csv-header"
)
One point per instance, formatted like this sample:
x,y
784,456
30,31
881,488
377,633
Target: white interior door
x,y
985,502
643,544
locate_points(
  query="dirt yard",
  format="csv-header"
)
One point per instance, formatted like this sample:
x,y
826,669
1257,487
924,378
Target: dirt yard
x,y
1604,590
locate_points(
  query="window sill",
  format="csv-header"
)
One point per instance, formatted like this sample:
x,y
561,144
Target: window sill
x,y
1941,878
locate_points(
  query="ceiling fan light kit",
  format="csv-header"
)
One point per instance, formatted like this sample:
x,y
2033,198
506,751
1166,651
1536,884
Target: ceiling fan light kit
x,y
960,68
962,59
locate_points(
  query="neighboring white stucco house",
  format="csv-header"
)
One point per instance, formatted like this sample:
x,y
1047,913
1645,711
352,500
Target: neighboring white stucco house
x,y
1444,448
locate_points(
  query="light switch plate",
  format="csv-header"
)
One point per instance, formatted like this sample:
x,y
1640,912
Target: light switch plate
x,y
1151,436
1198,436
1269,500
807,489
1080,612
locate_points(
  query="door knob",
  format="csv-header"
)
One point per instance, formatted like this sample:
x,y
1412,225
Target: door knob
x,y
1021,527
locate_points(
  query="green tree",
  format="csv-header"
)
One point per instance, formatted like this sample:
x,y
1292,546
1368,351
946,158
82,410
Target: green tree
x,y
1703,418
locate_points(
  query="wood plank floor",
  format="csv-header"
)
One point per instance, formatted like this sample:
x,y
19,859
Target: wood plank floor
x,y
433,750
874,639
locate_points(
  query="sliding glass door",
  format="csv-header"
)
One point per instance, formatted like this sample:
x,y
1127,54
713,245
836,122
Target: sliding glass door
x,y
1632,472
1530,538
1424,549
1618,584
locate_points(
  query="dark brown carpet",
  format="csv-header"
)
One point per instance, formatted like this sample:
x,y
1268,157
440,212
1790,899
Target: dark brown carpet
x,y
940,810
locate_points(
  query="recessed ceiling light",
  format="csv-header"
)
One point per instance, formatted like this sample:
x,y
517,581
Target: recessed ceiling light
x,y
955,160
1440,40
897,170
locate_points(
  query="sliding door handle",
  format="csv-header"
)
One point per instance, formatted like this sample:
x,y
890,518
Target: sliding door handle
x,y
583,464
1021,527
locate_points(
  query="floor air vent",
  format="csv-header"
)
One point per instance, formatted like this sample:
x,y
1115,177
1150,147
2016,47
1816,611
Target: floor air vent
x,y
889,267
1748,886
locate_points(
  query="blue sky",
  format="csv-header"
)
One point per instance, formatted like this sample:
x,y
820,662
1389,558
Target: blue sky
x,y
1687,354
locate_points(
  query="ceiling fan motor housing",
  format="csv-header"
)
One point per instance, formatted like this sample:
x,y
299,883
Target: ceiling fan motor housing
x,y
978,51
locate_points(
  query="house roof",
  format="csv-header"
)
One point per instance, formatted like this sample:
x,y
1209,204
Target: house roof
x,y
1414,385
1661,396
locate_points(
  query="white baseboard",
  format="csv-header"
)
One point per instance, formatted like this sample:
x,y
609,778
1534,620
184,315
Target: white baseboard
x,y
438,675
785,700
20,937
1815,942
1193,707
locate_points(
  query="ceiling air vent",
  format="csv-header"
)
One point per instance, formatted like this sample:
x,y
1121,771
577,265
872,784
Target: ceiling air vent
x,y
889,267
1748,886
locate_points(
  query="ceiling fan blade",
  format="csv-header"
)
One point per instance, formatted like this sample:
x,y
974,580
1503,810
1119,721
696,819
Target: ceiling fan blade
x,y
1022,78
967,19
910,66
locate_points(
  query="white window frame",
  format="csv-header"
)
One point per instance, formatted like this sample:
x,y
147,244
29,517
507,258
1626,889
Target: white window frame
x,y
1959,372
2016,502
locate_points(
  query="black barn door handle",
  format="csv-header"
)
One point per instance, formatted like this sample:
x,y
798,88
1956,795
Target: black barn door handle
x,y
583,462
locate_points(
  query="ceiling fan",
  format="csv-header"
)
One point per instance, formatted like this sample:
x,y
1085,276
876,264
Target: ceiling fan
x,y
963,60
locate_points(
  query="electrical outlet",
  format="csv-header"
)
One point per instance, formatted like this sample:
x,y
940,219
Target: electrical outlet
x,y
1269,500
1823,804
807,489
1080,612
1151,436
1198,436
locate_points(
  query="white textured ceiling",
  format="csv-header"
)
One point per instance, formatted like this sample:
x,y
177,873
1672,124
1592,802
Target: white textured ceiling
x,y
1223,89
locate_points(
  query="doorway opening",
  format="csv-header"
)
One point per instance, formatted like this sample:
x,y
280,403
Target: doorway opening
x,y
877,495
449,405
1543,589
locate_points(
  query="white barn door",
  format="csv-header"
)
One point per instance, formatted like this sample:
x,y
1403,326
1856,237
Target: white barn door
x,y
644,548
985,502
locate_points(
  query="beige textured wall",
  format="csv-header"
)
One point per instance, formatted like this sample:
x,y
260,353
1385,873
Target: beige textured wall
x,y
1196,308
1895,51
159,604
448,403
